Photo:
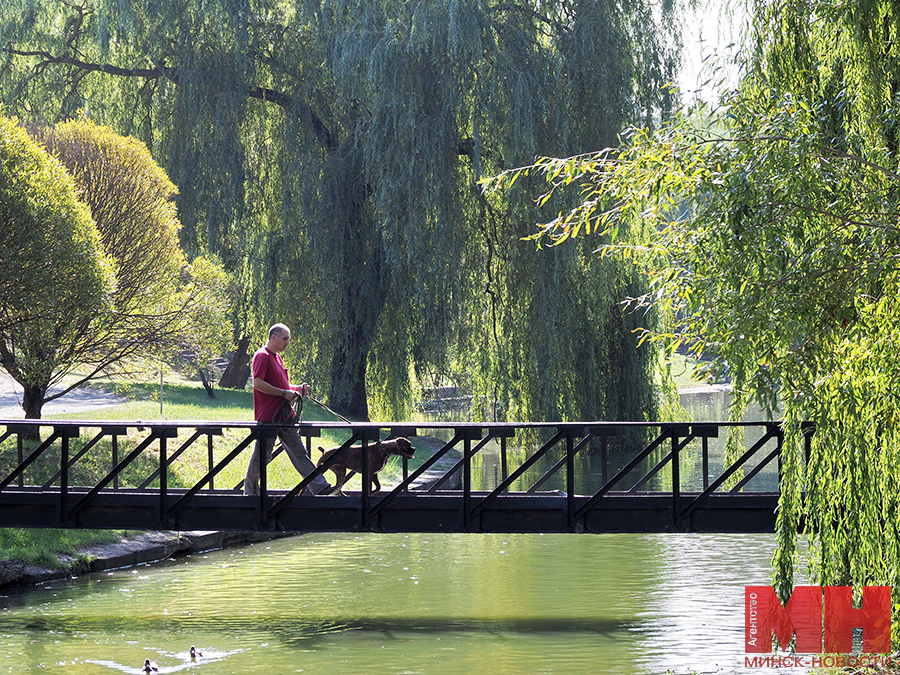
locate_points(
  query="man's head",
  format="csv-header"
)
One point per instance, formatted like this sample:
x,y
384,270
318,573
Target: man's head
x,y
279,337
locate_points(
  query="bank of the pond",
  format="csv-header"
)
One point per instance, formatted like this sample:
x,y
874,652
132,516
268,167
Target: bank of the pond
x,y
130,551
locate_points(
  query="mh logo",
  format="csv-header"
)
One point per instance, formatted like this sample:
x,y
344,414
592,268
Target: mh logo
x,y
804,613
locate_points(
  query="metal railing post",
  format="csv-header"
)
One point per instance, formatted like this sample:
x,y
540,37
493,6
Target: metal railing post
x,y
163,480
21,446
604,451
368,436
65,433
365,491
504,469
570,480
676,480
115,459
164,434
468,434
705,432
64,480
210,459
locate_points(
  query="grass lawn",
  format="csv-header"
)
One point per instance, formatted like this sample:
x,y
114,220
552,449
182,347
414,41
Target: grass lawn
x,y
43,547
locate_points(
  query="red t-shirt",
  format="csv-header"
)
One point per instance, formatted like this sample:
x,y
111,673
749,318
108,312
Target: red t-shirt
x,y
269,366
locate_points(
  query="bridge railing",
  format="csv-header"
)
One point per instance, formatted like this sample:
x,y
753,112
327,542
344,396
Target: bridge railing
x,y
167,474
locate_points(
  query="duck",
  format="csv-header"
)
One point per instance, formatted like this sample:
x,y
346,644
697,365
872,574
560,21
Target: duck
x,y
150,667
195,652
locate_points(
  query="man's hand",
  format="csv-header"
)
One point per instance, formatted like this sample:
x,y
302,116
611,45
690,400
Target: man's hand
x,y
302,389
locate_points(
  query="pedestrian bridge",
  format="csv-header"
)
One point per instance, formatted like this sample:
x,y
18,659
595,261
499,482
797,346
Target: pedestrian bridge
x,y
493,477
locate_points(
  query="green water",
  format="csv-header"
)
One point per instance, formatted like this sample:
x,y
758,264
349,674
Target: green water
x,y
403,604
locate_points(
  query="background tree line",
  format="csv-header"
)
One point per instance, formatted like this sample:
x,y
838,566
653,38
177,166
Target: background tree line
x,y
329,154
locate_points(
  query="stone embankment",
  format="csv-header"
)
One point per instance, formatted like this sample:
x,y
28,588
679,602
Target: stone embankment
x,y
143,548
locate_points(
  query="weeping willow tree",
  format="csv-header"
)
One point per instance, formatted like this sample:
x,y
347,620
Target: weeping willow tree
x,y
770,228
329,153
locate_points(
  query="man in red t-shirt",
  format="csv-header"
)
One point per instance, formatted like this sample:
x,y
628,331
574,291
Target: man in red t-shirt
x,y
271,388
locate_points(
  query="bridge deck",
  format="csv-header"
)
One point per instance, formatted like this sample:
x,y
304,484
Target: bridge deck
x,y
225,510
664,483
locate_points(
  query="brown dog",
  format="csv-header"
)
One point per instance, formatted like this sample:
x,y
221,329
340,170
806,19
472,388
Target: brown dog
x,y
351,460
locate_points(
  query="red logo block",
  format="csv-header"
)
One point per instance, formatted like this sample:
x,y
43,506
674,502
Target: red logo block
x,y
822,618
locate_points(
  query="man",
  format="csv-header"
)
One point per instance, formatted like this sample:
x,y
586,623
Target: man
x,y
271,388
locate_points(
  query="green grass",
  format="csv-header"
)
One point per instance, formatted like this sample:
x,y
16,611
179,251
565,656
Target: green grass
x,y
43,547
180,401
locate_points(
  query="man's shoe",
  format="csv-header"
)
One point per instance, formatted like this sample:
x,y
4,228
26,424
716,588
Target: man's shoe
x,y
327,490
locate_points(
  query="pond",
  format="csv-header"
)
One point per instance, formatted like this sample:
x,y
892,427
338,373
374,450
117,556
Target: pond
x,y
403,604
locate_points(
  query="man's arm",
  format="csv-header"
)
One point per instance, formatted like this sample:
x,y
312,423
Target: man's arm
x,y
289,394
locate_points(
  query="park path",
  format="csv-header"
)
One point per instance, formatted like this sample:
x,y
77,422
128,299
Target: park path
x,y
77,400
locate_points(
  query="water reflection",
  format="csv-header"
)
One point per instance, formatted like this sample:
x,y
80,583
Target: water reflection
x,y
449,604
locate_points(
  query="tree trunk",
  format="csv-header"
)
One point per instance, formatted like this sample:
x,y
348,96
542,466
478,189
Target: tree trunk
x,y
201,372
238,371
352,239
348,382
363,299
32,403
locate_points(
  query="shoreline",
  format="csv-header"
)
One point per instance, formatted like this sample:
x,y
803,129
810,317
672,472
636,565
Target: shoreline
x,y
130,552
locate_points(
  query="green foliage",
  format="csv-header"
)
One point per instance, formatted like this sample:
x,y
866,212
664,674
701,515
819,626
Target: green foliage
x,y
130,198
770,231
42,220
150,307
329,153
208,333
54,276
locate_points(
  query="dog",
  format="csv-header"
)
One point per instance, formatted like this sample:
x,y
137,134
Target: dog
x,y
351,460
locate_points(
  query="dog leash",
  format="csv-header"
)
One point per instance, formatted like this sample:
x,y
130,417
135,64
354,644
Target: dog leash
x,y
336,414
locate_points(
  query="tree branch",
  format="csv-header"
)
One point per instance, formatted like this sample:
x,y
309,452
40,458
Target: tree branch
x,y
303,112
158,71
161,71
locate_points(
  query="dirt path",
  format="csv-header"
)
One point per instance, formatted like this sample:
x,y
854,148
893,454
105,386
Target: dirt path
x,y
78,400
